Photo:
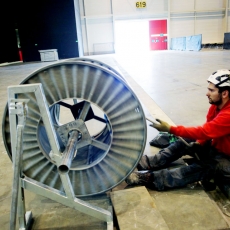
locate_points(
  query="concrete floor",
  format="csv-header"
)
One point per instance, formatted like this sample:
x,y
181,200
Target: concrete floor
x,y
171,85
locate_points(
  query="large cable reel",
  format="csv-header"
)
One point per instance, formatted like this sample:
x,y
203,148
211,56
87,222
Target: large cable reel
x,y
112,111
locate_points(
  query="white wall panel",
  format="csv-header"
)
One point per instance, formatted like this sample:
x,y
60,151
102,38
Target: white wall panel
x,y
182,27
100,33
124,7
209,4
182,5
211,29
97,7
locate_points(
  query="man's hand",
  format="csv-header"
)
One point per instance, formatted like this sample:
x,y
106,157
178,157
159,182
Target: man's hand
x,y
162,126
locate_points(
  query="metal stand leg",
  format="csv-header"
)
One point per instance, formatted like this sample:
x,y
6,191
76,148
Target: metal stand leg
x,y
16,192
18,201
20,182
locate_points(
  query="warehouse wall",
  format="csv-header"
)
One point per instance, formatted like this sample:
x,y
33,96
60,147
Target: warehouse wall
x,y
97,26
185,18
47,24
8,40
53,24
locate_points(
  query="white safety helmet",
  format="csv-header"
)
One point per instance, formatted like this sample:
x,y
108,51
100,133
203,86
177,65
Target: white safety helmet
x,y
220,78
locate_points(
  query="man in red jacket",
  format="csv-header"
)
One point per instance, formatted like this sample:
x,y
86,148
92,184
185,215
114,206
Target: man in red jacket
x,y
211,146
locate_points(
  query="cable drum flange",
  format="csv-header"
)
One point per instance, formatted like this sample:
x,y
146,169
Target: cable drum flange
x,y
83,88
98,63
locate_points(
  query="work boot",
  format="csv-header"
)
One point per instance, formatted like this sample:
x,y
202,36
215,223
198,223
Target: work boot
x,y
143,163
141,178
208,185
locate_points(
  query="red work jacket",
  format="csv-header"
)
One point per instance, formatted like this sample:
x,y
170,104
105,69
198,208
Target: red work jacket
x,y
216,128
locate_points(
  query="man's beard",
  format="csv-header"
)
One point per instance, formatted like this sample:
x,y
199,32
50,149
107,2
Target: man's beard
x,y
218,102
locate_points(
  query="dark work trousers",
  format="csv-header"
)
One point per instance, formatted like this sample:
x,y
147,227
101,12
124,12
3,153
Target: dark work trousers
x,y
203,168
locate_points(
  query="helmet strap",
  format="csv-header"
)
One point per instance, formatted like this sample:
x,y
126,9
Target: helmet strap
x,y
227,79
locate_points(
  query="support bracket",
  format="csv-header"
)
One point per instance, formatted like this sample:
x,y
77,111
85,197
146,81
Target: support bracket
x,y
17,115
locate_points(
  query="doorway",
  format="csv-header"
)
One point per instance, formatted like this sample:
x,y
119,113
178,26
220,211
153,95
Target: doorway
x,y
140,36
131,37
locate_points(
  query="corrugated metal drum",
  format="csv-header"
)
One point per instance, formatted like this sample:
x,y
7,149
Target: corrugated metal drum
x,y
115,121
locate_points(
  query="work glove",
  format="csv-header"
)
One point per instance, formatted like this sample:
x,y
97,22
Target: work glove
x,y
162,126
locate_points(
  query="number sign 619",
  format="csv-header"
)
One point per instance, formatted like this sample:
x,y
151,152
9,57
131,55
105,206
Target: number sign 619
x,y
140,4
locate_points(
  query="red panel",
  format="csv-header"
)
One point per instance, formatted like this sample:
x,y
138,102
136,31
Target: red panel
x,y
157,34
20,54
